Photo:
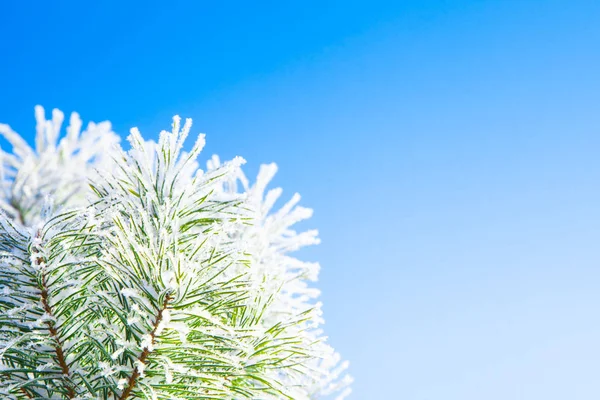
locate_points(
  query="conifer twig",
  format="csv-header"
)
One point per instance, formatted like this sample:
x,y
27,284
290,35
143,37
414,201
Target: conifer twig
x,y
135,274
145,352
50,323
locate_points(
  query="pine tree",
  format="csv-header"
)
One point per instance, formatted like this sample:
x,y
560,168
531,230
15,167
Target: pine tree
x,y
137,275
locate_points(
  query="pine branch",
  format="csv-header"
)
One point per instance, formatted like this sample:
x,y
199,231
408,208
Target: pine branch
x,y
50,323
142,276
146,351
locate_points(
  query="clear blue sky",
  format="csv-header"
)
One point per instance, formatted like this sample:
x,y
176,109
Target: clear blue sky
x,y
450,149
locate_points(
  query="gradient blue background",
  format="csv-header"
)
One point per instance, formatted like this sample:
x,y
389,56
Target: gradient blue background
x,y
449,148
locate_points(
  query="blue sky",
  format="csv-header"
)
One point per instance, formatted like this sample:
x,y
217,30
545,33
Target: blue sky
x,y
449,149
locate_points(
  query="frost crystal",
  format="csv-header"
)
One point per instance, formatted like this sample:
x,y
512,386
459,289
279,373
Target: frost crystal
x,y
136,275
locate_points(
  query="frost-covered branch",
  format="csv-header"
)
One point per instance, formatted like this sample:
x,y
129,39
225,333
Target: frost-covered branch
x,y
135,274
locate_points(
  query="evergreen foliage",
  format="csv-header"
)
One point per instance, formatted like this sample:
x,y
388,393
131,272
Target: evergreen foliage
x,y
136,275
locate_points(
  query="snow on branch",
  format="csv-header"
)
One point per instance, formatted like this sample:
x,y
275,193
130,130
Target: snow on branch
x,y
134,274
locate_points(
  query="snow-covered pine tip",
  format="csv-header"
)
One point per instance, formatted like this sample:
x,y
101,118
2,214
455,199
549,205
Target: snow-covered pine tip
x,y
134,274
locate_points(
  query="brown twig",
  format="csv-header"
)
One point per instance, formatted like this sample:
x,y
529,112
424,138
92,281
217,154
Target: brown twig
x,y
58,348
145,352
26,393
